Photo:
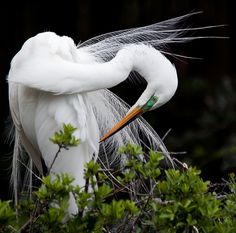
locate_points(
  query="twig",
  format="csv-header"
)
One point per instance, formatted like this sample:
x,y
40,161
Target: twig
x,y
183,165
143,208
30,222
33,217
55,157
160,202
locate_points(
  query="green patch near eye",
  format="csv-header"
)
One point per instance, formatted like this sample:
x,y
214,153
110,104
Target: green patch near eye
x,y
150,103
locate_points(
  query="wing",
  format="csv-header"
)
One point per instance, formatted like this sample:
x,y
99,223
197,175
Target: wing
x,y
23,139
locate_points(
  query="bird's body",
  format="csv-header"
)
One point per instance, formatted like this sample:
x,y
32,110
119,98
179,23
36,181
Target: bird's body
x,y
37,114
52,81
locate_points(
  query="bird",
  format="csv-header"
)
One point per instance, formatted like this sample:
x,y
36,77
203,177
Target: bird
x,y
52,81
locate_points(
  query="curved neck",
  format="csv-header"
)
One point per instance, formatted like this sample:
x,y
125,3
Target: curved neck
x,y
54,74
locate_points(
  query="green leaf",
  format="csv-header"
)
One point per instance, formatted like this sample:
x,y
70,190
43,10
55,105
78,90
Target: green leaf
x,y
7,214
92,168
64,137
131,149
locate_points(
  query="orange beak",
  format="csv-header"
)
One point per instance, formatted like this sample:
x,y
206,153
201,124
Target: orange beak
x,y
132,115
123,122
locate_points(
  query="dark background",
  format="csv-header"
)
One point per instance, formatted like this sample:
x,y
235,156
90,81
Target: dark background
x,y
201,114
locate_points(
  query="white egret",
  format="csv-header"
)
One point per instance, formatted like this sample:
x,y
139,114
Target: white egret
x,y
52,81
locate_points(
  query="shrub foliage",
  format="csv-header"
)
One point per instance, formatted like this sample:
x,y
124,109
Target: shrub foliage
x,y
140,197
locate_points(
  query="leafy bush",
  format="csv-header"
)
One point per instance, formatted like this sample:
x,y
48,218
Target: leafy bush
x,y
142,197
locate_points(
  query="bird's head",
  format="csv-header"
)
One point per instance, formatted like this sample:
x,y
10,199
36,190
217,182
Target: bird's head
x,y
162,82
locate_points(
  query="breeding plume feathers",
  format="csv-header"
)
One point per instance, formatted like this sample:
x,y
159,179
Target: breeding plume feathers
x,y
158,35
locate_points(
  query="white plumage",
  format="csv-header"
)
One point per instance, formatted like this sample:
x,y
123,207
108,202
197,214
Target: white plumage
x,y
52,81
